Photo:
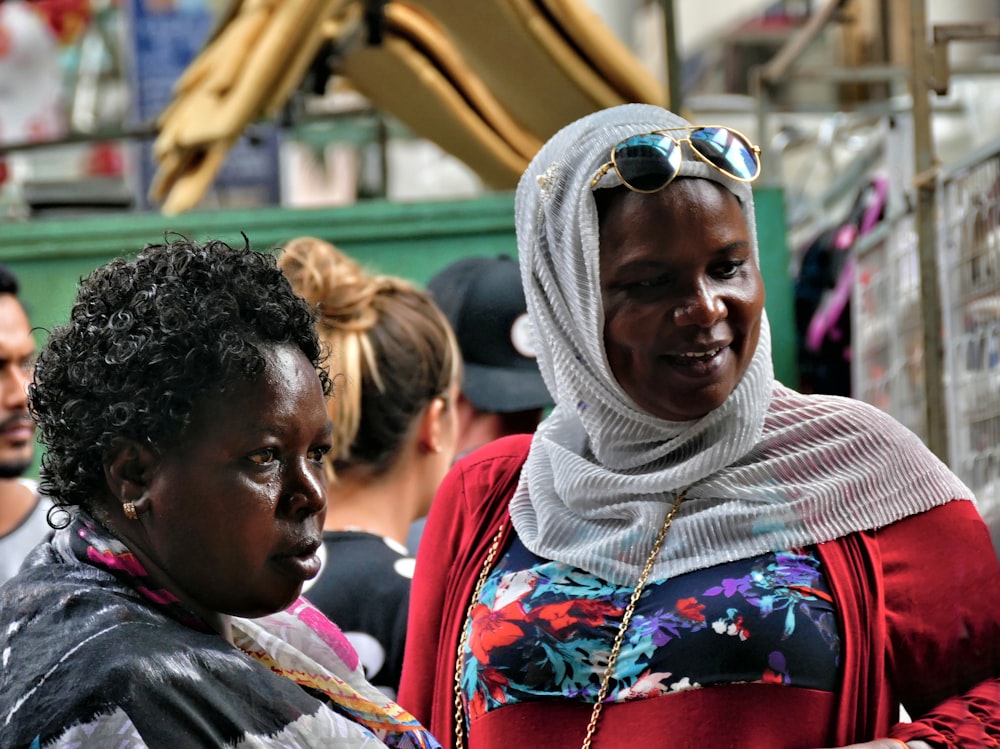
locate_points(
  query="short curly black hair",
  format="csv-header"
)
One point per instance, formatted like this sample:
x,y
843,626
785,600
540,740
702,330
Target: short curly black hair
x,y
147,338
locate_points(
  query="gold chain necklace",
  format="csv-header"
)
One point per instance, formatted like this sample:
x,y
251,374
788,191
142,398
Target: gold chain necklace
x,y
615,647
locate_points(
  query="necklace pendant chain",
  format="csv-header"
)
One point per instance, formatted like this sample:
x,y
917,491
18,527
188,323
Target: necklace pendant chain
x,y
484,573
627,619
615,647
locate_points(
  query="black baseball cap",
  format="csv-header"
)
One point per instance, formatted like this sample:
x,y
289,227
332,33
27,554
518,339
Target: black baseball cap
x,y
483,299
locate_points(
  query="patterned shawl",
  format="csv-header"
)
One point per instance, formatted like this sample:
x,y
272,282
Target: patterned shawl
x,y
93,656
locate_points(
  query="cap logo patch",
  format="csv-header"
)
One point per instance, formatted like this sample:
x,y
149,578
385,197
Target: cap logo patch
x,y
522,338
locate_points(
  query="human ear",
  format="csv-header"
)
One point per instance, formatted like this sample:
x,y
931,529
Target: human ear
x,y
432,425
127,470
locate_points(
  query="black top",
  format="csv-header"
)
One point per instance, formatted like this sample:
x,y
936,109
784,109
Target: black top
x,y
364,588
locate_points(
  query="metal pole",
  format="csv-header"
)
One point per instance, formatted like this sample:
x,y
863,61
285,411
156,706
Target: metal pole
x,y
675,85
778,66
925,215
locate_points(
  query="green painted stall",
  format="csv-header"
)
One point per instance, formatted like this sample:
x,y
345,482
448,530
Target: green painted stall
x,y
411,240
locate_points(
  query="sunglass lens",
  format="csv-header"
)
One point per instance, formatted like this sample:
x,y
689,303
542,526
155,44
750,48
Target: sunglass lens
x,y
727,151
647,162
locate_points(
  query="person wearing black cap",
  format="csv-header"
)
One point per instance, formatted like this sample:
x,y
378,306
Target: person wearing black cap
x,y
502,388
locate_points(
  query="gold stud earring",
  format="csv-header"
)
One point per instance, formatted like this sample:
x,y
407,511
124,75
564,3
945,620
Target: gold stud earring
x,y
129,509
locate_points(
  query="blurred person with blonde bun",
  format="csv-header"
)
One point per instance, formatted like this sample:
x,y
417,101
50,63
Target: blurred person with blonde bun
x,y
397,369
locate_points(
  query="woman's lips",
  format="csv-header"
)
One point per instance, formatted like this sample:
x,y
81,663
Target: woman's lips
x,y
303,562
699,363
702,354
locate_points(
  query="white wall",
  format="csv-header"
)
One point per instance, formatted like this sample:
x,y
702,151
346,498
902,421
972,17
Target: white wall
x,y
695,26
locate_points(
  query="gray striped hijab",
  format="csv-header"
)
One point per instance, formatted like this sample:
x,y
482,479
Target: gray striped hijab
x,y
769,469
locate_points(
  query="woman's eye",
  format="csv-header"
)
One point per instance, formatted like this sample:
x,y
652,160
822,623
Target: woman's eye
x,y
729,269
318,453
653,282
264,456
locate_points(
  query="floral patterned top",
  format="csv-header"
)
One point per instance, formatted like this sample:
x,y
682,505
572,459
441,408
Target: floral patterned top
x,y
544,630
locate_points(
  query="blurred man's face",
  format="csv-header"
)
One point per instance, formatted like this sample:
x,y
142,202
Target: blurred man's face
x,y
17,353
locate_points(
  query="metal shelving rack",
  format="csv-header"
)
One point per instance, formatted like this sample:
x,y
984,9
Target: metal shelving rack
x,y
926,301
886,325
969,256
889,319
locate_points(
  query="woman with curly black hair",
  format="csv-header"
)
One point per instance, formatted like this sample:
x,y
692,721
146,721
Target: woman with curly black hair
x,y
183,413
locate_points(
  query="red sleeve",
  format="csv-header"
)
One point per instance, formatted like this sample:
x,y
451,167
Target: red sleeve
x,y
467,510
969,720
942,608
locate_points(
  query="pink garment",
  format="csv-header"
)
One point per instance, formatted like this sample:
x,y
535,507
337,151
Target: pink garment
x,y
326,630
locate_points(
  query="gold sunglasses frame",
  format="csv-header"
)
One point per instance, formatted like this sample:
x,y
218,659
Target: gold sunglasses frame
x,y
754,149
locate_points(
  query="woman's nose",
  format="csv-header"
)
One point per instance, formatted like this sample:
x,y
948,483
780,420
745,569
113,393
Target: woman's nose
x,y
703,308
307,490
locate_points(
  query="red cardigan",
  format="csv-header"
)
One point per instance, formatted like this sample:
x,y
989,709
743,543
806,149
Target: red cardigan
x,y
919,607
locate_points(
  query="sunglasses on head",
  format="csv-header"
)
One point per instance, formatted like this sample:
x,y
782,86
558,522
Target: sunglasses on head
x,y
648,162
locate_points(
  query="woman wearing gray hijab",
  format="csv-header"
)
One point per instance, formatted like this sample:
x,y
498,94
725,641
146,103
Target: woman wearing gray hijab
x,y
687,553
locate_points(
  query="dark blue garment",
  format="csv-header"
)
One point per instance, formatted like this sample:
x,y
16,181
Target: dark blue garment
x,y
544,630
